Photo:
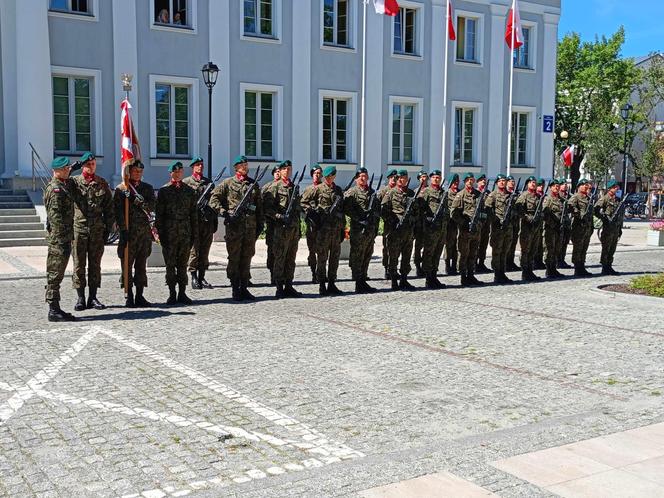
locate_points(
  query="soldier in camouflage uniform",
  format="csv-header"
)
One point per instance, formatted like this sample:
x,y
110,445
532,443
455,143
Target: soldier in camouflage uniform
x,y
419,228
93,221
485,235
59,200
552,211
566,231
176,218
286,228
392,177
516,227
612,221
139,236
527,205
463,212
269,224
539,247
501,228
400,230
242,228
325,206
451,253
316,179
436,218
361,205
581,210
208,223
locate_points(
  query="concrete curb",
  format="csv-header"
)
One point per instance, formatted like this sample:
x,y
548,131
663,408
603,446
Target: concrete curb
x,y
645,299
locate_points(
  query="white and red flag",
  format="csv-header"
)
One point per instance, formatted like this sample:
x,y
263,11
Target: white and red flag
x,y
129,146
514,31
568,156
386,7
450,21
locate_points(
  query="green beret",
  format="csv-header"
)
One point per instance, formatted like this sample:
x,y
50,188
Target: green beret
x,y
402,172
500,176
60,162
612,183
481,177
195,160
285,164
582,181
239,160
509,178
422,173
314,168
467,176
175,165
436,172
553,182
541,181
330,171
531,178
361,170
562,181
136,164
453,178
392,172
274,168
88,156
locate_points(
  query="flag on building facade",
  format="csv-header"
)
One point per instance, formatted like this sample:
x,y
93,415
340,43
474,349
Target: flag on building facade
x,y
386,7
450,21
514,31
129,146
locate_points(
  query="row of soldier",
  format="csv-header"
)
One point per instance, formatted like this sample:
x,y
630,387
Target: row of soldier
x,y
460,217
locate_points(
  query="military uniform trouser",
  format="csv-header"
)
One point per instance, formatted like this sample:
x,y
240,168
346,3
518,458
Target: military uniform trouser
x,y
284,243
176,254
386,252
552,241
539,246
311,245
468,244
200,251
501,239
361,250
269,238
527,241
513,241
434,242
56,264
140,248
241,247
485,237
451,251
87,251
580,241
609,238
400,244
418,245
564,243
328,248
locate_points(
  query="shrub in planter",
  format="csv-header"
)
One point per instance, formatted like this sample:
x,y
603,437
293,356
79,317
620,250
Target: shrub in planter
x,y
652,284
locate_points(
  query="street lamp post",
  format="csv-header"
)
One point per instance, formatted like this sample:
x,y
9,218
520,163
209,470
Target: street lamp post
x,y
210,72
624,113
564,135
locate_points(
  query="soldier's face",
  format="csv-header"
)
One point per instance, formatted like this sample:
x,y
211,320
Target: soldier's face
x,y
555,189
531,185
481,183
540,188
90,167
197,169
317,176
362,179
402,181
423,180
392,181
62,173
510,185
135,174
435,180
455,186
285,173
469,183
177,175
501,184
563,188
276,175
330,179
242,169
613,190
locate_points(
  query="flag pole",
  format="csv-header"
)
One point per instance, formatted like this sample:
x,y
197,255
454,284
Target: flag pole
x,y
364,82
509,109
125,180
447,59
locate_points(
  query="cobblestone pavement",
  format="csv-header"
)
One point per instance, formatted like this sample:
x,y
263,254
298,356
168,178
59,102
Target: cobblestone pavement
x,y
319,397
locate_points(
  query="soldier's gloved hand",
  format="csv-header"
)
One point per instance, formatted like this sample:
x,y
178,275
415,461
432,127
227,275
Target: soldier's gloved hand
x,y
279,217
126,193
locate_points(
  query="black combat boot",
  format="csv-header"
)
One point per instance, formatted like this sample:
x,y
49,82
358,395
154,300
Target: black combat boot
x,y
473,280
418,270
482,268
172,297
195,284
539,265
512,266
333,289
182,295
395,282
322,290
201,280
367,287
612,271
564,264
235,285
464,280
453,268
80,302
244,291
387,274
498,278
291,291
506,279
55,314
93,302
359,287
580,271
279,294
314,277
405,285
140,301
272,280
130,302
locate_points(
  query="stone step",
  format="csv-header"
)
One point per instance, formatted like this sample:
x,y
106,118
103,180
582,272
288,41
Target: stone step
x,y
8,227
8,191
15,198
21,218
22,242
16,205
23,234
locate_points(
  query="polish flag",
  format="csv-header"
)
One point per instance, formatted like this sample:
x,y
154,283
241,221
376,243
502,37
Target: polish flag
x,y
130,149
450,21
568,156
514,31
386,7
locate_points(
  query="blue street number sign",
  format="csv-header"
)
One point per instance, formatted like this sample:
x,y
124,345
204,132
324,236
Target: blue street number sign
x,y
548,124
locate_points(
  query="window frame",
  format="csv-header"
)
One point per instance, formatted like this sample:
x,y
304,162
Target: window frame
x,y
276,25
92,16
479,38
194,119
191,29
530,136
96,122
532,54
478,132
351,119
418,128
277,118
352,31
419,31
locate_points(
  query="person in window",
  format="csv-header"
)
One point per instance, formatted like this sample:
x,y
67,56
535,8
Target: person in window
x,y
177,19
163,17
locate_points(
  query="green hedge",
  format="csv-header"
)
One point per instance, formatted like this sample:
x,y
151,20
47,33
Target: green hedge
x,y
652,284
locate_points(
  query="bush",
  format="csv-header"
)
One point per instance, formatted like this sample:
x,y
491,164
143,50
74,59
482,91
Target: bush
x,y
653,285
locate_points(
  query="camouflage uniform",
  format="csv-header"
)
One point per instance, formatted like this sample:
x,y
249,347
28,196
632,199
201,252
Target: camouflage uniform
x,y
363,229
311,231
269,231
176,218
93,221
139,235
399,238
611,231
527,205
566,234
515,221
451,252
501,232
386,257
419,236
552,210
435,235
463,211
485,237
208,222
582,230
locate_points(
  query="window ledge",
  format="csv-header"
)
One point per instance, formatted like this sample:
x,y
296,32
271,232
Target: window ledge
x,y
341,166
166,161
408,57
521,69
338,48
173,28
468,63
80,16
522,169
260,39
460,168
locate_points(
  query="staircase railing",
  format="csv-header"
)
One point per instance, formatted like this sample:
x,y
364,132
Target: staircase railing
x,y
40,171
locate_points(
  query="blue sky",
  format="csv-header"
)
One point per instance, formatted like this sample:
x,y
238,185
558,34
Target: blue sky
x,y
643,21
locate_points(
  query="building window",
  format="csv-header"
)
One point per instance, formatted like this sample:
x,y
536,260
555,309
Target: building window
x,y
259,18
464,127
405,32
72,114
335,129
172,120
259,124
467,39
522,54
335,22
403,116
519,138
72,6
172,13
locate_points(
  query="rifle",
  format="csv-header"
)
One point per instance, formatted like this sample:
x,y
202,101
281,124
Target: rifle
x,y
563,216
240,208
372,201
294,195
621,206
203,200
409,205
510,202
538,210
588,217
338,200
442,207
479,207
